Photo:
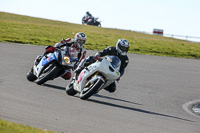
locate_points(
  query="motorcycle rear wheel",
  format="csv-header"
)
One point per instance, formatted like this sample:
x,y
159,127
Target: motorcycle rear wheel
x,y
48,75
92,89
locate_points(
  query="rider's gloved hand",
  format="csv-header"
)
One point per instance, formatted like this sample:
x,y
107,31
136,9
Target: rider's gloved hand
x,y
63,41
97,57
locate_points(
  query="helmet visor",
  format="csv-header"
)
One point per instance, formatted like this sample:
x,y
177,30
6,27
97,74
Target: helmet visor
x,y
123,49
81,42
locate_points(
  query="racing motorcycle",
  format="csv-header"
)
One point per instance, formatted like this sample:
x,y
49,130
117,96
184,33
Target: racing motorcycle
x,y
52,65
91,21
95,77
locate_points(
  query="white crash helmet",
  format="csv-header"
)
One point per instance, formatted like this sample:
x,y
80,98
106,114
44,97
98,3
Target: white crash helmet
x,y
122,46
80,38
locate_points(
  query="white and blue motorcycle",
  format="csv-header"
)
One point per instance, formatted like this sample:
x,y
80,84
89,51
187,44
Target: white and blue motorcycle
x,y
95,77
53,65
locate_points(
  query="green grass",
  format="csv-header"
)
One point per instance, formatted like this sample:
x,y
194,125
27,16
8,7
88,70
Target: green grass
x,y
9,127
29,30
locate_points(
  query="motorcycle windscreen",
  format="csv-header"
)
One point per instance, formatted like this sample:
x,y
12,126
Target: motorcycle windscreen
x,y
115,62
72,53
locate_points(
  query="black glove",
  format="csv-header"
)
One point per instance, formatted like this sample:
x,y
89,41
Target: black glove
x,y
63,41
99,58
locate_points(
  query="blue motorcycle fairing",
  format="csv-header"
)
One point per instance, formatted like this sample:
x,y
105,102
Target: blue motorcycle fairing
x,y
49,59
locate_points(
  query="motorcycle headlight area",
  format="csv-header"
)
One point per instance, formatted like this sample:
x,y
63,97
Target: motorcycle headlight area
x,y
66,60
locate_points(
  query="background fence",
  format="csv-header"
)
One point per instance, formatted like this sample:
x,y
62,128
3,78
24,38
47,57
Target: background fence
x,y
188,38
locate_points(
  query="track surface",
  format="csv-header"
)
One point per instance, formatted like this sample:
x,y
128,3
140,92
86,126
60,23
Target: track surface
x,y
148,99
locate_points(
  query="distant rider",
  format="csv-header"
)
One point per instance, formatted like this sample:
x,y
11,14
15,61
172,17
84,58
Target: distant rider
x,y
121,49
89,17
78,43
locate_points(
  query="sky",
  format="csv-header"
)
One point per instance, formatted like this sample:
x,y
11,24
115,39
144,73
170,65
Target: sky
x,y
177,17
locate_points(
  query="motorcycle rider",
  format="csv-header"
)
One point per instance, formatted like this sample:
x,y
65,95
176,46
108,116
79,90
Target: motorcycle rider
x,y
121,49
89,14
78,42
89,18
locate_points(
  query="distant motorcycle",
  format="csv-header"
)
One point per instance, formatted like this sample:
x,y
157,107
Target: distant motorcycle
x,y
95,77
91,21
52,65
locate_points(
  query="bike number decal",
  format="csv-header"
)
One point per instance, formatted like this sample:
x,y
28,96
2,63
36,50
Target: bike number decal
x,y
81,76
49,59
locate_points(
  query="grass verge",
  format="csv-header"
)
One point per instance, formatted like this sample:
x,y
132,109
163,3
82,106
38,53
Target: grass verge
x,y
9,127
29,30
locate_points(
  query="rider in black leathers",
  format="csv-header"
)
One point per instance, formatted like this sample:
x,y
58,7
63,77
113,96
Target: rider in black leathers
x,y
120,51
88,17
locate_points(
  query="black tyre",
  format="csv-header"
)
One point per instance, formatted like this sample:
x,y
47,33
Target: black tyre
x,y
83,20
49,73
99,24
91,89
70,89
30,76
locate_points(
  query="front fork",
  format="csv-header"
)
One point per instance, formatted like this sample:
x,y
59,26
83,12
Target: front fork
x,y
37,60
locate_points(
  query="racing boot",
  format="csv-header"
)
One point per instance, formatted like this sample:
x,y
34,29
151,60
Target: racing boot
x,y
111,88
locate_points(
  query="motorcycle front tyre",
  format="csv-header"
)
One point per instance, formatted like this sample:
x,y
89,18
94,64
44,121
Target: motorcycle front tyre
x,y
30,76
48,75
70,89
93,88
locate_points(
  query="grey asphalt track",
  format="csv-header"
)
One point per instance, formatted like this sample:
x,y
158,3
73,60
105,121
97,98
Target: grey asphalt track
x,y
148,99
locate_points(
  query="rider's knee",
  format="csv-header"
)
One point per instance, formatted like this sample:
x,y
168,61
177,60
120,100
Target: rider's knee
x,y
67,76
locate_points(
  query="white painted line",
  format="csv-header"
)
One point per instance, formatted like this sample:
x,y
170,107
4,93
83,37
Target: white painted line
x,y
188,107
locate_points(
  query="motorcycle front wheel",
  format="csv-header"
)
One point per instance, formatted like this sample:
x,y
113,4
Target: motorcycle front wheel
x,y
30,76
91,89
83,22
70,89
47,74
